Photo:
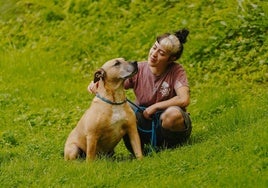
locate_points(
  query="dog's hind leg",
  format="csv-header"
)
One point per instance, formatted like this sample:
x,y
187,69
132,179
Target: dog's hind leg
x,y
71,152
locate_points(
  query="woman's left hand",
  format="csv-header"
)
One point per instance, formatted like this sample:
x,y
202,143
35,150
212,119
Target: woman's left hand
x,y
149,111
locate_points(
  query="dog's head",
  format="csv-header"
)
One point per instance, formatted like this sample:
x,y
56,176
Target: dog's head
x,y
116,70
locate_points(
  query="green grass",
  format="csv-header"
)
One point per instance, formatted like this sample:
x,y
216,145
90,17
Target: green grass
x,y
228,145
49,51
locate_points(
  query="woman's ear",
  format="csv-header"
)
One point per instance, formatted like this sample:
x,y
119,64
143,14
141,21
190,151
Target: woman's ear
x,y
172,58
99,74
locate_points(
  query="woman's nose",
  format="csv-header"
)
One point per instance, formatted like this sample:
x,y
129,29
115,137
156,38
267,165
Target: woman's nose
x,y
154,53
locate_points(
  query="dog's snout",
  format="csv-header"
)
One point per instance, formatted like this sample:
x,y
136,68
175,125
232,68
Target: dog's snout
x,y
135,64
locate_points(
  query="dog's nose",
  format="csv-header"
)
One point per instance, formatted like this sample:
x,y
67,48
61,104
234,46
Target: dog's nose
x,y
134,63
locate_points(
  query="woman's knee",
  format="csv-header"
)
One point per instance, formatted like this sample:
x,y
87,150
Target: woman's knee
x,y
172,119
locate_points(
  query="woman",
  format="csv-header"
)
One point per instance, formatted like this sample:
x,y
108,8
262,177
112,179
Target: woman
x,y
162,95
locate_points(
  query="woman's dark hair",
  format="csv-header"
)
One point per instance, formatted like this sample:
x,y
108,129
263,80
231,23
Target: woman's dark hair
x,y
181,35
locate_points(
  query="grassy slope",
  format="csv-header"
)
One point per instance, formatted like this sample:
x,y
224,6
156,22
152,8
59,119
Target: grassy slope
x,y
228,149
43,94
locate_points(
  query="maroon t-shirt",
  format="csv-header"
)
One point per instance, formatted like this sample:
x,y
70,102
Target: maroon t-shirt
x,y
150,89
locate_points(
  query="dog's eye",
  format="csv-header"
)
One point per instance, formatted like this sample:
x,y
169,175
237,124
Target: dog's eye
x,y
117,63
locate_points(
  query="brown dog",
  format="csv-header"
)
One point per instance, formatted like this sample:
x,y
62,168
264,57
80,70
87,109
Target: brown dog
x,y
109,117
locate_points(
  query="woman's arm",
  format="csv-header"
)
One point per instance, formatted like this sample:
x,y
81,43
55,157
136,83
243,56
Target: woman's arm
x,y
182,99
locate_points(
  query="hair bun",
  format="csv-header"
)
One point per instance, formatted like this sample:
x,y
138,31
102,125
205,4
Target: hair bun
x,y
182,35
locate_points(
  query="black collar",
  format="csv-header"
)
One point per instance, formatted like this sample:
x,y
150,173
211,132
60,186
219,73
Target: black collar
x,y
110,102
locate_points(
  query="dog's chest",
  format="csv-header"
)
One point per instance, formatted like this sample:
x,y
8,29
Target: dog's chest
x,y
118,115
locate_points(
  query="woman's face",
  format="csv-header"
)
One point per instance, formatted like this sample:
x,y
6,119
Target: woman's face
x,y
158,56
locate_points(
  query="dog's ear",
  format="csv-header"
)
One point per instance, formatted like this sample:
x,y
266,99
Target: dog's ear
x,y
100,73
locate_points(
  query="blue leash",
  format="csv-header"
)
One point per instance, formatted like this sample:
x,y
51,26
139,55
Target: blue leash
x,y
155,123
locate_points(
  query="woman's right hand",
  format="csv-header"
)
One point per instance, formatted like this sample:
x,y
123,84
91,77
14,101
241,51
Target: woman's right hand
x,y
92,87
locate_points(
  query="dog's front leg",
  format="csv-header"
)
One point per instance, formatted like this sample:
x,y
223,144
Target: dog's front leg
x,y
135,142
91,147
